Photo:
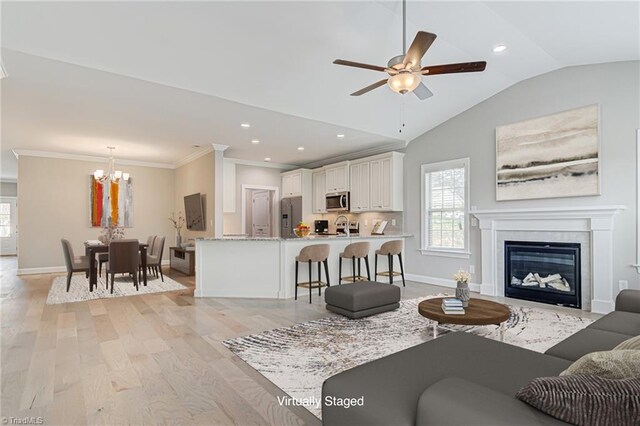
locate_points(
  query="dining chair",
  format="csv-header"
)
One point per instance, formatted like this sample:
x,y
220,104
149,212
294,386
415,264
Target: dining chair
x,y
154,260
123,258
73,263
150,240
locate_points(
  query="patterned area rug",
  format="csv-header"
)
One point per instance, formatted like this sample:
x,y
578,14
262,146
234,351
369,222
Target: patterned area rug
x,y
79,291
300,358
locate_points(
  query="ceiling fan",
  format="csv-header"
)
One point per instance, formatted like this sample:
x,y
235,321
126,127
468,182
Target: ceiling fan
x,y
405,70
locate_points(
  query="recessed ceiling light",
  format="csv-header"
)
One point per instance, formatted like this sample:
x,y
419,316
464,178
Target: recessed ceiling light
x,y
499,48
267,158
340,136
301,148
245,125
255,141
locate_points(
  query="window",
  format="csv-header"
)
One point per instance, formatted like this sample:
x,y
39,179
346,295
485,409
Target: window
x,y
5,220
445,199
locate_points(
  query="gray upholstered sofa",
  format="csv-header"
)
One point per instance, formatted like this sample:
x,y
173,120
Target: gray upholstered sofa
x,y
463,379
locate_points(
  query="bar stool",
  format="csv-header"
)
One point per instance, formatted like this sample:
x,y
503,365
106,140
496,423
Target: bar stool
x,y
390,249
355,251
314,253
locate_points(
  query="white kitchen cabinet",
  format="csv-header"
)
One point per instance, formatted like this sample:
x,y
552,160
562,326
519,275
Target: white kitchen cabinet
x,y
292,184
337,177
319,191
360,187
386,189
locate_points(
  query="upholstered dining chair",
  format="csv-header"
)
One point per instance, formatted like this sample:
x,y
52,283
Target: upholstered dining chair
x,y
104,257
150,240
73,263
123,258
154,259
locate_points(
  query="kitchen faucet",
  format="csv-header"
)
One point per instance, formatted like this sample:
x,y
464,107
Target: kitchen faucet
x,y
347,224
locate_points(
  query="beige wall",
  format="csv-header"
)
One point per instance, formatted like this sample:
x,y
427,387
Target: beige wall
x,y
196,176
249,175
54,204
8,189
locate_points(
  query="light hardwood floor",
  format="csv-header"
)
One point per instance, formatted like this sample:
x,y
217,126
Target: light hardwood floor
x,y
152,359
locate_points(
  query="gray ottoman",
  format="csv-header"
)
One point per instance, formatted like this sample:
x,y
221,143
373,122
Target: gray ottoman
x,y
362,299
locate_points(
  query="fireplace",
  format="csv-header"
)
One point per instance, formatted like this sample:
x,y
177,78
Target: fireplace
x,y
544,272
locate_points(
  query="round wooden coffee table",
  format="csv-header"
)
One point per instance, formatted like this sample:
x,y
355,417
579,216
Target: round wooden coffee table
x,y
479,312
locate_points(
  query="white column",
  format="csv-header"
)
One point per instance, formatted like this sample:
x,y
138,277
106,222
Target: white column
x,y
602,265
218,191
488,241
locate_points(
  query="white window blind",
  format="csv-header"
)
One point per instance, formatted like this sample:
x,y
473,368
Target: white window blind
x,y
445,205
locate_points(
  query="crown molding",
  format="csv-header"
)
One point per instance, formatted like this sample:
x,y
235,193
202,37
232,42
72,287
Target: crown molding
x,y
268,165
381,149
47,154
193,156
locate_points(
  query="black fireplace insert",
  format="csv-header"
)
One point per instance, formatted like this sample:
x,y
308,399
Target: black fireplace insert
x,y
544,272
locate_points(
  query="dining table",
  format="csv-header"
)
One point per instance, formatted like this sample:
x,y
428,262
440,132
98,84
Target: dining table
x,y
92,249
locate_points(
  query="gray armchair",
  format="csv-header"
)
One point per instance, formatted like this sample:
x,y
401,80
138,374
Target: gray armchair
x,y
73,263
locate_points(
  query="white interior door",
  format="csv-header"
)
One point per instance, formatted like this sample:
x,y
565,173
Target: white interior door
x,y
260,214
8,226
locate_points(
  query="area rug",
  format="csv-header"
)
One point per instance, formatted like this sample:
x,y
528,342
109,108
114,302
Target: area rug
x,y
79,291
300,358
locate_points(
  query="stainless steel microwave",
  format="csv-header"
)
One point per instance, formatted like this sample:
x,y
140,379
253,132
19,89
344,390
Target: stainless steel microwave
x,y
337,202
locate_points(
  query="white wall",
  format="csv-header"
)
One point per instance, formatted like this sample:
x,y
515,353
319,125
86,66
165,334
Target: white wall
x,y
614,87
55,203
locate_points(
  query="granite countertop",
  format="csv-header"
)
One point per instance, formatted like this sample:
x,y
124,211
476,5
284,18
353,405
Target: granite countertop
x,y
310,237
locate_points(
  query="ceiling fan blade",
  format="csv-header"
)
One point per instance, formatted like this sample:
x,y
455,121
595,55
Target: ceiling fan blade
x,y
370,88
454,68
422,92
359,65
418,48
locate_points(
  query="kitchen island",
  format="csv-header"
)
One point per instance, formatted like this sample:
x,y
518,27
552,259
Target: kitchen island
x,y
265,267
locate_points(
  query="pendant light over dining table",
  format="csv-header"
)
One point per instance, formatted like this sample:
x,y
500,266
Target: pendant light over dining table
x,y
112,174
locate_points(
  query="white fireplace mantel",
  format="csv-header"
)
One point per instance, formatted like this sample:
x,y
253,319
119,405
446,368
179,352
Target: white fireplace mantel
x,y
598,221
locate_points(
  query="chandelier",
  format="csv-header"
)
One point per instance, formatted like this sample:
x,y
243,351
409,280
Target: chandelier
x,y
112,174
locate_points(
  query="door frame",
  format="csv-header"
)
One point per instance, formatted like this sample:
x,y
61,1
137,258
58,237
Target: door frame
x,y
13,198
275,206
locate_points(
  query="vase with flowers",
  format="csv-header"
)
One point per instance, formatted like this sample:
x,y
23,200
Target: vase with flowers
x,y
111,232
462,279
178,223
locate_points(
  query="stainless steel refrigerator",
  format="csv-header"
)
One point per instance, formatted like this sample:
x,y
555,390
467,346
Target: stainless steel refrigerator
x,y
291,216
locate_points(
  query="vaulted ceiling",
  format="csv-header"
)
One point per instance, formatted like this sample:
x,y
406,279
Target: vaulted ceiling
x,y
156,78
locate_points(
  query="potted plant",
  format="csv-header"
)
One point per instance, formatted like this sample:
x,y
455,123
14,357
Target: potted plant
x,y
462,279
177,224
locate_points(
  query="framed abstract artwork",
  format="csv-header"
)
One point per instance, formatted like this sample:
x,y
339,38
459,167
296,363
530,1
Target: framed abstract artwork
x,y
111,202
549,157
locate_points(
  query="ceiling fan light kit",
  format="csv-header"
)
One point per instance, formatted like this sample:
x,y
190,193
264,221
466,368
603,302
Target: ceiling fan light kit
x,y
403,82
405,70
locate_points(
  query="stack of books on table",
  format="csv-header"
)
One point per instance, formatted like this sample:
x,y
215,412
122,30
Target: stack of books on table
x,y
452,306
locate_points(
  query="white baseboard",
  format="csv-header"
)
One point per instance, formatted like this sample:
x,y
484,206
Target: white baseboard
x,y
443,282
601,306
44,270
55,269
